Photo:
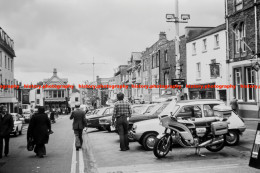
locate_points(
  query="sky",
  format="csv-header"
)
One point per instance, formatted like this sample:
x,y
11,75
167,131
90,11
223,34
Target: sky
x,y
62,34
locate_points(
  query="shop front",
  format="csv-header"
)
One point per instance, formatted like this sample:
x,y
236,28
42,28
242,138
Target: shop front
x,y
202,92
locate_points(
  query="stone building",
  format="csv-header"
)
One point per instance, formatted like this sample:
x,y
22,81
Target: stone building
x,y
242,20
7,54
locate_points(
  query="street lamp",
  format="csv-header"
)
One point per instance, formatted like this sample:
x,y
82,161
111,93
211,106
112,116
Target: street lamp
x,y
175,19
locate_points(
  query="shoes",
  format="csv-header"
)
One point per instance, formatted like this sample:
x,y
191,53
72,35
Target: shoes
x,y
77,148
122,150
127,148
40,156
6,155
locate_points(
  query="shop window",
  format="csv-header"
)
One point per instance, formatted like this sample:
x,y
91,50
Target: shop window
x,y
59,93
250,80
38,101
238,83
55,94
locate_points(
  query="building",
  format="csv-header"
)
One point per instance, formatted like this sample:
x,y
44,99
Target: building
x,y
206,57
7,54
74,98
150,66
242,20
56,98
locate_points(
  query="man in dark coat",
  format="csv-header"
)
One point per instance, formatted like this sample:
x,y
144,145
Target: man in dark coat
x,y
122,111
79,123
39,130
6,127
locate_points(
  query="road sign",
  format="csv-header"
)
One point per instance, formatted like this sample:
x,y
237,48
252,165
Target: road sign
x,y
255,153
180,82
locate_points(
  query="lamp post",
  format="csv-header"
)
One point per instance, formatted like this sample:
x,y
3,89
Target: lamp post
x,y
175,19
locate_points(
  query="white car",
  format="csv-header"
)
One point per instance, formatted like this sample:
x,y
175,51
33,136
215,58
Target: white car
x,y
18,125
145,132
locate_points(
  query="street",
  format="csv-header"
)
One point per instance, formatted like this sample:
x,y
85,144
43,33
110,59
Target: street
x,y
101,154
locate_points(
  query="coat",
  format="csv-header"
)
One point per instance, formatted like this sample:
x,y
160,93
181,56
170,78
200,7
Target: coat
x,y
79,119
39,128
6,125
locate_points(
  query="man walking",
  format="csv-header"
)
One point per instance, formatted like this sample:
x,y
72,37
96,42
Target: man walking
x,y
122,110
6,127
79,123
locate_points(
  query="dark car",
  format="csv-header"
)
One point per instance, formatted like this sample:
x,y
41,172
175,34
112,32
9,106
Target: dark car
x,y
93,120
136,110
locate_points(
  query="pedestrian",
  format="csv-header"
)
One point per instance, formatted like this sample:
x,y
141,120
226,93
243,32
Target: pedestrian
x,y
39,130
234,105
6,127
52,116
79,123
122,111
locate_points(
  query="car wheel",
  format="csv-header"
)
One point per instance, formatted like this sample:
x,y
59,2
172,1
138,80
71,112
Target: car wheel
x,y
108,129
232,138
149,141
16,133
100,128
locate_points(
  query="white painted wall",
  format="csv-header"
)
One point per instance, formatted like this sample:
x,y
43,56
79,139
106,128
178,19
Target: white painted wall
x,y
205,59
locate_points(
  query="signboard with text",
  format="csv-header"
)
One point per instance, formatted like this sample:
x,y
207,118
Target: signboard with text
x,y
180,82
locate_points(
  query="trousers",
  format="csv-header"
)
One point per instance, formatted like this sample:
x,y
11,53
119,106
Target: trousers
x,y
6,148
40,149
122,126
78,136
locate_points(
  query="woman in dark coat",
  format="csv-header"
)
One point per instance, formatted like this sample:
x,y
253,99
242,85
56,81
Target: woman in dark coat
x,y
39,130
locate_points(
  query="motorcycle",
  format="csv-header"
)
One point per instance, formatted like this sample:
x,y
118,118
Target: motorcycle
x,y
209,133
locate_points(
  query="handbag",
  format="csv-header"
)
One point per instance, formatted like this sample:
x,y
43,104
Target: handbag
x,y
30,144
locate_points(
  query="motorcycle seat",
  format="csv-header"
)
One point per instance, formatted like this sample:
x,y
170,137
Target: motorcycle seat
x,y
201,122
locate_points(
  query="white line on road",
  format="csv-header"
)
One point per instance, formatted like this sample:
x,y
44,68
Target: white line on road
x,y
73,160
81,162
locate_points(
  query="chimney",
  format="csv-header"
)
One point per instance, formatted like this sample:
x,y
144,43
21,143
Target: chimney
x,y
54,72
162,35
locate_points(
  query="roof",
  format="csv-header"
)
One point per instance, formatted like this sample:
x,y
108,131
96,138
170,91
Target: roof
x,y
210,32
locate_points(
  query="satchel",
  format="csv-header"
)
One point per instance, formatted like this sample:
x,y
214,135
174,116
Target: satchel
x,y
30,144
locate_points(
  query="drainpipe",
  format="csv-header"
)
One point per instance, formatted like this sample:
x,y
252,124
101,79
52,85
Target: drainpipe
x,y
227,52
256,51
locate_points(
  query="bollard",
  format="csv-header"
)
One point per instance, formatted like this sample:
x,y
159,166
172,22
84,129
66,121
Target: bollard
x,y
255,153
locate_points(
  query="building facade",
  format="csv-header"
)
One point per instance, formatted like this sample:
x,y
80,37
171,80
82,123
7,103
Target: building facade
x,y
7,54
206,57
56,98
242,20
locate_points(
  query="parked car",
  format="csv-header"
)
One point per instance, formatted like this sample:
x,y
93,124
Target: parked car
x,y
106,122
145,132
93,120
18,124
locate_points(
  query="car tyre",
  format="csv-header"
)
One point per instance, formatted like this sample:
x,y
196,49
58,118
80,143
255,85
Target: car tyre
x,y
232,138
149,141
108,129
21,132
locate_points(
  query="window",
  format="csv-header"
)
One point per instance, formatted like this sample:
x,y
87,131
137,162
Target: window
x,y
166,78
11,65
157,58
55,94
204,45
198,71
155,80
38,91
1,79
165,56
8,63
216,41
76,99
240,38
50,94
59,93
208,110
5,61
190,111
153,61
239,4
250,80
38,101
238,83
193,48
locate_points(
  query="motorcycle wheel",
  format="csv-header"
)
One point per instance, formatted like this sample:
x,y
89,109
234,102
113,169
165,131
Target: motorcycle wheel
x,y
232,138
161,147
216,148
